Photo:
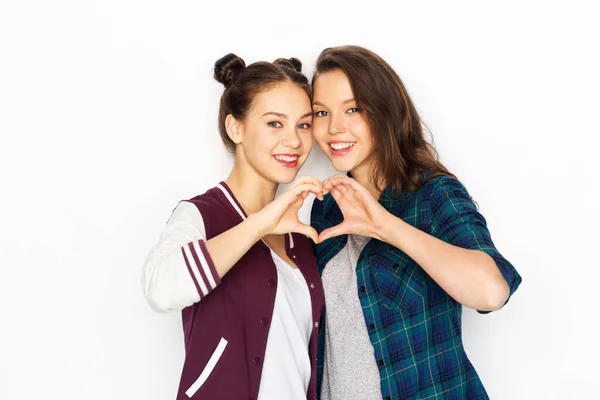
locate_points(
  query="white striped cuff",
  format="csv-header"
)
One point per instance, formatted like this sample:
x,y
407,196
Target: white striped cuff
x,y
201,267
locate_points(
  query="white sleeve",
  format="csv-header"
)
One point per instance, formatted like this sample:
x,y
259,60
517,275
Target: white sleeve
x,y
179,271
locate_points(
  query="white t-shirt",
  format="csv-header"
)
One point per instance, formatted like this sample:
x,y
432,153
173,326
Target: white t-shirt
x,y
286,369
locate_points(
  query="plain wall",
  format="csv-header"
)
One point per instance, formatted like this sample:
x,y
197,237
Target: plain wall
x,y
108,118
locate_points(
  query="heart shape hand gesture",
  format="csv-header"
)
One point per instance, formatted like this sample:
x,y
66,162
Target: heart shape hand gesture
x,y
363,215
282,213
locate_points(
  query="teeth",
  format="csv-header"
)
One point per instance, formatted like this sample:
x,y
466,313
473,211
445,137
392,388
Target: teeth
x,y
286,158
341,146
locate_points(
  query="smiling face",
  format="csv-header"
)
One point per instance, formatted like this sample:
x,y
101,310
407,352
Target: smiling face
x,y
340,127
275,138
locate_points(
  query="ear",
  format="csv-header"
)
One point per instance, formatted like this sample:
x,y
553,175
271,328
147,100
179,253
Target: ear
x,y
234,129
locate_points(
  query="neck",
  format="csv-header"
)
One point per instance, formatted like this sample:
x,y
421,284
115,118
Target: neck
x,y
252,190
362,174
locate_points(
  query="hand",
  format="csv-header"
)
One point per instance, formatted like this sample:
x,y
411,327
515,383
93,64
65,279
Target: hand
x,y
363,214
281,215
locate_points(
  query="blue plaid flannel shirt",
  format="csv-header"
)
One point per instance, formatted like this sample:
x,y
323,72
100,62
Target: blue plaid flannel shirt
x,y
414,326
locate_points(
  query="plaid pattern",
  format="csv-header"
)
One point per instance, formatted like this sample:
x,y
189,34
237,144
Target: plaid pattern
x,y
414,326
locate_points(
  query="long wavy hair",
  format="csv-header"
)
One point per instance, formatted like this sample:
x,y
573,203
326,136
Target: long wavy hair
x,y
403,156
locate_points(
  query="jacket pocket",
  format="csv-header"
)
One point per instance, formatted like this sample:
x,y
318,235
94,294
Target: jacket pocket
x,y
210,365
401,284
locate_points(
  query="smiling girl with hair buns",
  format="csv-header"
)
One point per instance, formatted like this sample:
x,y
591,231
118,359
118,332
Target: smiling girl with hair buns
x,y
236,261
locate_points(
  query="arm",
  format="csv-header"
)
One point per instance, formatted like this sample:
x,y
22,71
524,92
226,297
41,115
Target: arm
x,y
179,271
184,267
470,277
459,254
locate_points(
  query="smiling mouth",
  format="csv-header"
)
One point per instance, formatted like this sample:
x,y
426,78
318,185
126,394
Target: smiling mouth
x,y
341,145
339,149
287,160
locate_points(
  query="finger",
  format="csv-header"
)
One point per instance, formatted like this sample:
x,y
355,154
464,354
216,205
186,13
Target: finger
x,y
342,193
307,179
353,184
331,184
357,192
310,180
307,230
336,194
338,178
341,229
333,177
307,187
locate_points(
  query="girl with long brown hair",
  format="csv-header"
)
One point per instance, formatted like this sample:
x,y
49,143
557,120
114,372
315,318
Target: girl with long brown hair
x,y
402,246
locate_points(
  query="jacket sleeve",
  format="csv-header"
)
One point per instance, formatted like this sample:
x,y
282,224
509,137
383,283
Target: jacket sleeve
x,y
179,271
456,220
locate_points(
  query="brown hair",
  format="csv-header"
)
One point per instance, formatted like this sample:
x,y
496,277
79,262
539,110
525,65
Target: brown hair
x,y
243,83
403,157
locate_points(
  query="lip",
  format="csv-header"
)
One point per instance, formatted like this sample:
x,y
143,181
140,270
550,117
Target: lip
x,y
340,152
291,162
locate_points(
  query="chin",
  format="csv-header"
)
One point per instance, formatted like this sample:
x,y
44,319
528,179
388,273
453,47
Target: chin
x,y
284,178
342,166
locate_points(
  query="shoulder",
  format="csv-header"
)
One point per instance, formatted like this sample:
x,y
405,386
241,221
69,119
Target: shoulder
x,y
442,188
209,198
198,209
446,198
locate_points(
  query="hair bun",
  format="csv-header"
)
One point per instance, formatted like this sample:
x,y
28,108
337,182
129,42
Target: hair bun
x,y
291,63
226,67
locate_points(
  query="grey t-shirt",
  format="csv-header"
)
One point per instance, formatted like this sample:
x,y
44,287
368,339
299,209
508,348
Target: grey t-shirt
x,y
350,370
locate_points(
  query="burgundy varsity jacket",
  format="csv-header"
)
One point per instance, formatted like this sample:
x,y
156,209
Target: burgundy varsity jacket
x,y
226,321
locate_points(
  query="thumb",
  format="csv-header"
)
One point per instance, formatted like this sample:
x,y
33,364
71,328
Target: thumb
x,y
307,230
341,229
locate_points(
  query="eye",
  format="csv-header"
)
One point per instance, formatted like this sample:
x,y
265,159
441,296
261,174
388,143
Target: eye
x,y
352,110
274,124
304,125
321,114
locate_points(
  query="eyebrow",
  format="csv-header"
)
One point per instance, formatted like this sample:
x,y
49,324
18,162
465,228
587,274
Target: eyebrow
x,y
316,103
280,115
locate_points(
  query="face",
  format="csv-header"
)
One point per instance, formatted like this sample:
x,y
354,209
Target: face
x,y
340,127
276,135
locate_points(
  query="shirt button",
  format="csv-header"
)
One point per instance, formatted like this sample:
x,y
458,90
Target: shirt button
x,y
271,283
264,321
388,398
317,324
371,326
293,257
312,285
380,363
257,361
362,288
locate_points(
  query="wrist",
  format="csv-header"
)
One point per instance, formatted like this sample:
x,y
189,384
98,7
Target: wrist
x,y
258,225
389,227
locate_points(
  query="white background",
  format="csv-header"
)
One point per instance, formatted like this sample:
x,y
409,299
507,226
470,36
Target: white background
x,y
108,118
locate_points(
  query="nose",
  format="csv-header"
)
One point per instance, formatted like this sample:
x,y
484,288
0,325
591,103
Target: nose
x,y
336,125
291,139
